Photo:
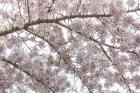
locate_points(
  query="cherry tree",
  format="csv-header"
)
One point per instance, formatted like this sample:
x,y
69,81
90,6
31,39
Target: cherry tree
x,y
47,46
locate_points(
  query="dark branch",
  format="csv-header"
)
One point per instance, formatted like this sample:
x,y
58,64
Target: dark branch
x,y
133,10
75,70
27,73
56,20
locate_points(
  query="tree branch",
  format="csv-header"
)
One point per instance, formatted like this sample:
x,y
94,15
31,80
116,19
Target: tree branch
x,y
133,10
56,20
75,70
27,73
109,58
